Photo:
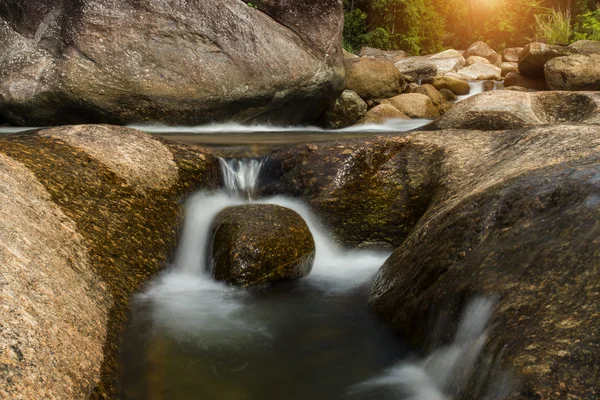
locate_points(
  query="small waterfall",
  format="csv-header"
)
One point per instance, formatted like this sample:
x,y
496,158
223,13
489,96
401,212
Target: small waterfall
x,y
240,176
476,87
445,373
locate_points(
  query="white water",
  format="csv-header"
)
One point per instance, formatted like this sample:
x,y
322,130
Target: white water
x,y
477,87
445,373
394,125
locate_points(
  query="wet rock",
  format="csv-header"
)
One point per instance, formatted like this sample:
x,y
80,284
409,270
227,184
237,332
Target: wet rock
x,y
504,109
488,86
457,86
417,67
576,72
159,61
373,78
480,71
535,55
512,54
259,243
96,210
346,110
381,113
481,49
367,191
516,79
508,67
515,217
415,105
448,95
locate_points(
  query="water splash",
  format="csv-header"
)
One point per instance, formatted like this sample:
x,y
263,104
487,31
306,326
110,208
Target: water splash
x,y
240,176
476,87
446,372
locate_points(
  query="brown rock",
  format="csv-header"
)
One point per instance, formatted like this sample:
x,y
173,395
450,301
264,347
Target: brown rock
x,y
476,59
536,55
428,90
417,67
480,71
415,105
381,113
373,78
448,95
259,243
576,72
588,47
457,86
346,110
393,55
508,67
512,54
516,79
483,50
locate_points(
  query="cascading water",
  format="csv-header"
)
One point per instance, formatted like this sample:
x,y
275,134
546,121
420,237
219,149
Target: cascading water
x,y
476,87
192,337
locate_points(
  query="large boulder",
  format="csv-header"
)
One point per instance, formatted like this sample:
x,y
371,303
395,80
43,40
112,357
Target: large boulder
x,y
368,192
415,105
586,46
448,60
504,109
512,54
371,52
514,218
259,243
508,67
347,109
382,113
373,78
169,62
457,86
476,59
535,55
87,215
481,49
576,72
517,79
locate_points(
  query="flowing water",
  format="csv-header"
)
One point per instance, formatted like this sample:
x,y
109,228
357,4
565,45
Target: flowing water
x,y
190,337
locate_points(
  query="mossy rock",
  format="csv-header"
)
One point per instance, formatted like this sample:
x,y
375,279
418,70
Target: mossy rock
x,y
258,243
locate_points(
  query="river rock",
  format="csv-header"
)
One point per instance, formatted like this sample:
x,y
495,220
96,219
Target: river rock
x,y
576,72
446,61
417,67
535,55
381,113
169,62
515,218
347,54
508,67
415,105
87,215
503,109
448,95
512,54
428,90
586,46
517,79
480,71
476,59
481,49
393,55
346,110
259,243
355,187
457,86
373,78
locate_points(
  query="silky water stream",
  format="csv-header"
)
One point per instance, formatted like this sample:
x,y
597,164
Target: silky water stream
x,y
189,337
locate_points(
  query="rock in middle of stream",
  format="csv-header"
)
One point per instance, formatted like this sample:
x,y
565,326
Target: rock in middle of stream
x,y
257,243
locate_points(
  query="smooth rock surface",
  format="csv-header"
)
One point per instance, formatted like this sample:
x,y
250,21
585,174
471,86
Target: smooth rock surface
x,y
346,110
260,243
512,54
170,62
535,55
480,71
381,113
415,105
417,67
457,86
508,67
481,49
373,78
576,72
516,79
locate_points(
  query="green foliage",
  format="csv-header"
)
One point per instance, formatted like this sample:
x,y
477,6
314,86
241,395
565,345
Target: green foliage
x,y
252,5
554,26
587,26
355,29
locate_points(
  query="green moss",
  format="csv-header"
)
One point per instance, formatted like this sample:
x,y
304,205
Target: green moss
x,y
130,235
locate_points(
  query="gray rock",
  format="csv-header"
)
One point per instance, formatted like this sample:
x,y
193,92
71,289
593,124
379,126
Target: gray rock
x,y
417,67
586,46
508,67
160,61
576,72
382,113
512,54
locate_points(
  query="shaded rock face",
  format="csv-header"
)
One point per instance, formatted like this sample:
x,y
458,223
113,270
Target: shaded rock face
x,y
535,55
417,67
373,78
259,243
505,109
162,61
346,110
82,229
515,216
576,72
516,79
369,192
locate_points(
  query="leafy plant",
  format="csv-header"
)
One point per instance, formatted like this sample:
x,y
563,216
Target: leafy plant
x,y
554,26
587,26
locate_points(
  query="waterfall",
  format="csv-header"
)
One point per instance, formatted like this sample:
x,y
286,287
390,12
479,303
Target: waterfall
x,y
476,87
445,373
240,176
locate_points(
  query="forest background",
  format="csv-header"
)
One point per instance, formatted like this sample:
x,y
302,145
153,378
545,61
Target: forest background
x,y
429,26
